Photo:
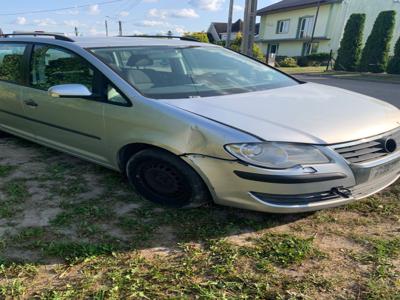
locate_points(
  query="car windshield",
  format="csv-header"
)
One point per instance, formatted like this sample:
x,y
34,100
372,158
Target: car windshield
x,y
165,72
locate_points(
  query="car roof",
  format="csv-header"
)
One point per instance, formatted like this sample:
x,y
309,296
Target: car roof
x,y
101,42
92,42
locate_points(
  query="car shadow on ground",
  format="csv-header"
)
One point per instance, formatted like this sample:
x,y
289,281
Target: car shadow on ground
x,y
54,207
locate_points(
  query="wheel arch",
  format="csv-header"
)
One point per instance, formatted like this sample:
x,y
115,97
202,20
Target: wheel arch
x,y
126,152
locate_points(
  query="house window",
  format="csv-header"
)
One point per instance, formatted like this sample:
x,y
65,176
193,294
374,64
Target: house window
x,y
283,26
314,48
306,48
306,25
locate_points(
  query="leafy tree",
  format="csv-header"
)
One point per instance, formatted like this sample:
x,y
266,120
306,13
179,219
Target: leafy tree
x,y
349,53
237,43
200,36
394,64
375,55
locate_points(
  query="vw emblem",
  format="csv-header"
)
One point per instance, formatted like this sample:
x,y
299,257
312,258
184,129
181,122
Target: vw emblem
x,y
390,145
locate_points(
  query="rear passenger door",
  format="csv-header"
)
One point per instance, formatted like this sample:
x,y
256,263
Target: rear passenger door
x,y
12,77
74,125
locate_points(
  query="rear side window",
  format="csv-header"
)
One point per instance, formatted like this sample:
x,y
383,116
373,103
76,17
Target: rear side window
x,y
11,57
52,66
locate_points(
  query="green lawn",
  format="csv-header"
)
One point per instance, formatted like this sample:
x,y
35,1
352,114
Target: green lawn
x,y
388,78
303,70
73,230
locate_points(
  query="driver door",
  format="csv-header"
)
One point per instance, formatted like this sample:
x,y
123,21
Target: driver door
x,y
73,125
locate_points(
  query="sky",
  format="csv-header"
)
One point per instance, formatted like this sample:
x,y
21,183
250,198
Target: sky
x,y
137,16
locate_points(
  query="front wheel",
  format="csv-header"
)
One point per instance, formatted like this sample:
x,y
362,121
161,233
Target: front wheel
x,y
165,179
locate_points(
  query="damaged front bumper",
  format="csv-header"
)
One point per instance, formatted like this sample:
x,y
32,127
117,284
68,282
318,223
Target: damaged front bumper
x,y
235,184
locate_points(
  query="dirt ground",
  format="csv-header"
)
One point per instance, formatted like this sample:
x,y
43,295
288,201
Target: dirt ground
x,y
70,229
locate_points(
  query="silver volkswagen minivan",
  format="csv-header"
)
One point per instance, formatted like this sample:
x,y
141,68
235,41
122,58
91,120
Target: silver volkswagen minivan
x,y
189,122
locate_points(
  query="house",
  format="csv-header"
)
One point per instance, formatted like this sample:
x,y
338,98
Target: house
x,y
293,27
218,31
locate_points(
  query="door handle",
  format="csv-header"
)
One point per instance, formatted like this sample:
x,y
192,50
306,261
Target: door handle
x,y
30,102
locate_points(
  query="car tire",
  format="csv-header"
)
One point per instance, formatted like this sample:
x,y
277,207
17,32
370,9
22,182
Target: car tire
x,y
165,179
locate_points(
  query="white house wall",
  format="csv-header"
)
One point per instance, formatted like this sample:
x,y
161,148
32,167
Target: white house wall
x,y
331,23
269,23
371,8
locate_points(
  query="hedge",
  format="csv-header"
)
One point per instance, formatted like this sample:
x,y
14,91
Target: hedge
x,y
394,63
375,55
349,53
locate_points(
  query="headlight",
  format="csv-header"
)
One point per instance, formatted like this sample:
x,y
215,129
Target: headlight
x,y
276,155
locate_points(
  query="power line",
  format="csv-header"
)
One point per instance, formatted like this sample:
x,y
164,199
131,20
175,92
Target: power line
x,y
60,9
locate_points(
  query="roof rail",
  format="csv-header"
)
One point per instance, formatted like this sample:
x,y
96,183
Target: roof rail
x,y
182,38
60,37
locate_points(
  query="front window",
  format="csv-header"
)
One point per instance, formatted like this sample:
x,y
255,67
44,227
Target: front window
x,y
163,72
52,66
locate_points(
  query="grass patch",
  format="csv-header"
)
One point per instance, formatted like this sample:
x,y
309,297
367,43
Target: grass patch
x,y
387,78
29,234
6,170
379,206
13,289
86,211
379,250
303,70
16,193
74,251
100,249
383,281
70,187
282,249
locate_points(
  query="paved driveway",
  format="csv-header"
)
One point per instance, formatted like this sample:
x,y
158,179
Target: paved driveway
x,y
385,91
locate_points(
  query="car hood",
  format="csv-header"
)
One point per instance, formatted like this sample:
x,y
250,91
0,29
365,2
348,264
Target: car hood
x,y
305,113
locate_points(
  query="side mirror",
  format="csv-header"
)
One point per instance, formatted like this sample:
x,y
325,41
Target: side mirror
x,y
69,91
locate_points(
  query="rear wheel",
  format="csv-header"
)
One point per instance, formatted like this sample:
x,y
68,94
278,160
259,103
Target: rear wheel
x,y
165,179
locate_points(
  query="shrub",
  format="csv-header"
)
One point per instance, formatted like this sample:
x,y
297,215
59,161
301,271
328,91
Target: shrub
x,y
200,36
349,53
316,59
237,43
302,61
288,62
394,63
320,57
375,55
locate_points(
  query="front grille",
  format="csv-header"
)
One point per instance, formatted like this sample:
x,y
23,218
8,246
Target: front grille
x,y
367,151
363,152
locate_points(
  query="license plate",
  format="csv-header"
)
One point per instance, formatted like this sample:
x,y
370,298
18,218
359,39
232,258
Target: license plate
x,y
386,169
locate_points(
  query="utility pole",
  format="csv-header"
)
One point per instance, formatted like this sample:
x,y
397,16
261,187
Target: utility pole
x,y
228,39
106,24
314,26
120,28
249,27
76,31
